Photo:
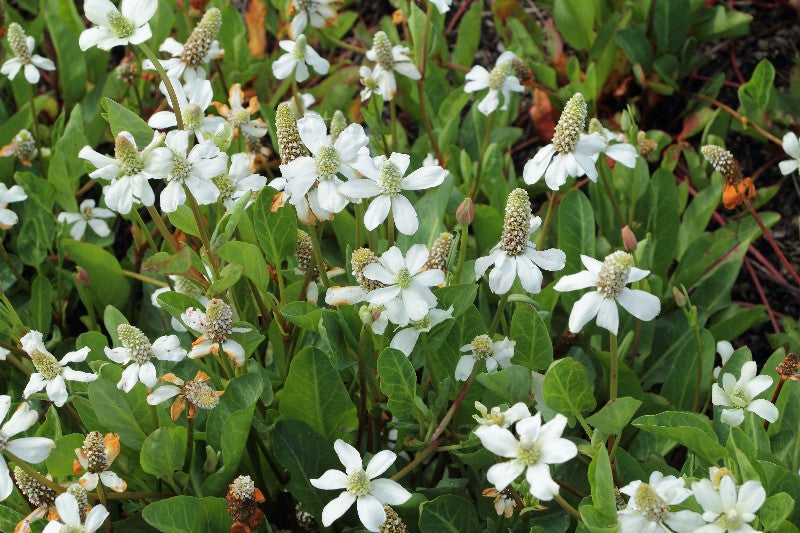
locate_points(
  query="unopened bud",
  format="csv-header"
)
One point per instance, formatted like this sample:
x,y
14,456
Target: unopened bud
x,y
680,298
646,146
629,239
212,459
465,213
82,278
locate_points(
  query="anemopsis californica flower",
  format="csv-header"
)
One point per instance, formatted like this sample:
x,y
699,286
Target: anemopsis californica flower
x,y
88,214
390,59
117,27
128,171
361,486
571,153
238,181
69,516
137,352
193,100
405,339
737,396
31,449
501,81
515,255
51,373
610,279
483,348
314,11
728,508
298,58
240,117
96,456
24,59
620,151
649,503
538,446
215,326
9,195
385,180
498,417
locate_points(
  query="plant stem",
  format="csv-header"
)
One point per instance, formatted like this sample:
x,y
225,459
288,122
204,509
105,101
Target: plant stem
x,y
101,495
462,254
146,279
699,378
187,467
775,395
390,228
476,183
362,382
378,115
584,425
28,469
137,219
176,107
421,93
10,264
132,496
393,122
35,132
162,228
551,207
743,120
567,507
612,365
342,44
772,242
201,227
499,313
312,232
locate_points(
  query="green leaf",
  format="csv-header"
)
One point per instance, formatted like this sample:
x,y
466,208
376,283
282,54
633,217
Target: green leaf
x,y
689,429
303,314
566,388
249,256
575,21
42,296
681,383
718,23
634,43
468,36
533,349
276,232
613,418
234,440
758,89
575,229
398,383
227,278
112,410
70,59
460,296
448,513
163,452
314,394
165,263
670,23
510,385
107,283
187,513
240,393
775,510
59,462
120,118
602,483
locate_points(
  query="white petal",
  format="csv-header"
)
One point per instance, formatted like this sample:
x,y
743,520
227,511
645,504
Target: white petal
x,y
584,310
31,449
640,304
330,480
751,497
791,145
380,463
68,510
370,512
162,394
377,211
542,484
502,276
405,340
498,440
732,417
337,507
348,456
405,217
502,475
112,481
130,376
147,375
388,491
764,409
95,518
313,132
464,367
608,315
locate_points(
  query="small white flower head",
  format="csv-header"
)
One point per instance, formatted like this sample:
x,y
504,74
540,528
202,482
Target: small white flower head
x,y
361,486
189,59
406,338
298,57
51,373
69,517
498,417
312,182
385,180
389,59
96,456
620,151
495,353
127,172
406,293
117,27
7,196
238,182
24,59
316,12
21,147
195,392
538,446
216,326
571,153
369,82
515,255
442,5
240,117
193,100
137,352
31,449
737,396
725,351
649,506
501,81
88,214
792,148
726,507
193,169
610,279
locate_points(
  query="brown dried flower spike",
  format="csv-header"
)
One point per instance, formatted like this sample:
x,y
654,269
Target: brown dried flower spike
x,y
789,368
737,188
243,499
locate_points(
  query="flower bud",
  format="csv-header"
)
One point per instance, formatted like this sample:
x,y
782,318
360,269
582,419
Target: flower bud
x,y
629,239
646,146
680,298
82,277
465,213
212,459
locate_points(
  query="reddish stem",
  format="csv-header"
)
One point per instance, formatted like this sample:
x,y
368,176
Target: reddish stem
x,y
772,242
761,294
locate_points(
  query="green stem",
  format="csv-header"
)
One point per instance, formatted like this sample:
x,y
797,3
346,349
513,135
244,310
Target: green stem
x,y
699,378
390,228
342,44
378,115
176,107
201,227
10,264
462,254
484,146
187,467
499,313
162,228
421,93
137,220
771,241
567,507
146,279
551,207
393,122
298,102
28,469
612,365
362,380
611,197
101,495
584,425
35,132
312,232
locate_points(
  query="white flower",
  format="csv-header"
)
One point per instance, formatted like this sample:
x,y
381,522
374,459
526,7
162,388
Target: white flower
x,y
96,456
515,255
298,58
367,78
610,278
361,486
69,517
52,374
648,507
500,81
31,449
181,285
193,100
738,396
128,171
89,215
117,27
792,148
539,446
239,116
239,181
193,170
498,417
9,195
618,150
22,46
3,354
728,509
137,351
482,347
385,180
442,5
406,339
405,282
314,11
215,326
725,351
322,167
390,59
570,154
